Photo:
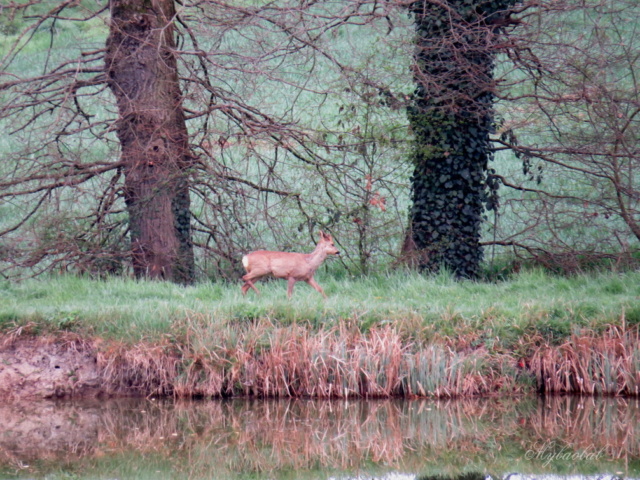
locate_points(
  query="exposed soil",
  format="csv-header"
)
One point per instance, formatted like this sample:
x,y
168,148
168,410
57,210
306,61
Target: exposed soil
x,y
48,368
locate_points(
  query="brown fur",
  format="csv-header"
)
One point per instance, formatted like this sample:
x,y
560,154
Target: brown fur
x,y
294,267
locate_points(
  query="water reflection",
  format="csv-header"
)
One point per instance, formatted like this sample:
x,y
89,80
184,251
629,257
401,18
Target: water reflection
x,y
339,439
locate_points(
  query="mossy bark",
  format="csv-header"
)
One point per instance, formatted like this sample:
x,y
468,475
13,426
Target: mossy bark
x,y
142,73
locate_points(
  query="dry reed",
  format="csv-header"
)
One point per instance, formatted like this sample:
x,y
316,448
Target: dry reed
x,y
265,359
590,364
270,361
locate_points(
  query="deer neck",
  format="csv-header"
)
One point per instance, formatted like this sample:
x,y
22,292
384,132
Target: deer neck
x,y
316,257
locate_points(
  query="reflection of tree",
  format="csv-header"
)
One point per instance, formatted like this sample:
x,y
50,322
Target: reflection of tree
x,y
227,437
464,476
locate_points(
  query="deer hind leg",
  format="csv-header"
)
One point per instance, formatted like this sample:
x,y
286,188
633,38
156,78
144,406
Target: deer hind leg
x,y
248,283
247,286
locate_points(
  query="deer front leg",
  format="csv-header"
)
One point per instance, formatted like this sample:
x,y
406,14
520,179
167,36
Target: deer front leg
x,y
290,283
315,285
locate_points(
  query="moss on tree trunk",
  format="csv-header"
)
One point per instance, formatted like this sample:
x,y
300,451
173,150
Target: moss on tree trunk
x,y
142,74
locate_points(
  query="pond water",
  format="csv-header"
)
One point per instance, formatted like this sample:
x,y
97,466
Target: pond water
x,y
561,438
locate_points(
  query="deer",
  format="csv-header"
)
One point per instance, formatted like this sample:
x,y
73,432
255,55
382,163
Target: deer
x,y
293,266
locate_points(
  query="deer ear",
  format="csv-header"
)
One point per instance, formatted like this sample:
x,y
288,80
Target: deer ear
x,y
322,235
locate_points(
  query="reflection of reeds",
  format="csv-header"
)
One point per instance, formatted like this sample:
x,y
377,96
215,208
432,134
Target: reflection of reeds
x,y
588,424
258,436
591,364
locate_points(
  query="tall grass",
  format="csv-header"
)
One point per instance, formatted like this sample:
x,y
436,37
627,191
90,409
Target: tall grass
x,y
337,362
262,360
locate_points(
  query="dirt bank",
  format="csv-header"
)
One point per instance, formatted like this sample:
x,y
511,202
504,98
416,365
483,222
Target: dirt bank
x,y
36,367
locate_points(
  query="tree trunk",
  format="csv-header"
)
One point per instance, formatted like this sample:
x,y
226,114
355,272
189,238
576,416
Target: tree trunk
x,y
451,118
142,74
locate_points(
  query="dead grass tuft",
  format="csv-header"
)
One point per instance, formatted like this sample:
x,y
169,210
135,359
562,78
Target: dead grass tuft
x,y
590,364
263,359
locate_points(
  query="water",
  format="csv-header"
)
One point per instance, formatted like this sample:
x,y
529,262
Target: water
x,y
564,438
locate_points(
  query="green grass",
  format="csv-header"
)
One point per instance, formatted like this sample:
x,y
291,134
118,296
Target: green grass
x,y
423,308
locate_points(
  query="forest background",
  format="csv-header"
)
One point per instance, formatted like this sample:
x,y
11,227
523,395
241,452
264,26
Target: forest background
x,y
165,139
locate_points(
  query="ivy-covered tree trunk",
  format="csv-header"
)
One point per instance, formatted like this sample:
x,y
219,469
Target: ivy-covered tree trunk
x,y
142,74
451,117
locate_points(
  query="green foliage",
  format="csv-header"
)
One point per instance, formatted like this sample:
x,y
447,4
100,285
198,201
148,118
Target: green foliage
x,y
632,315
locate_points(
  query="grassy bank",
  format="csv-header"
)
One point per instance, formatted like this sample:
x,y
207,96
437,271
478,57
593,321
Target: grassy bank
x,y
385,335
